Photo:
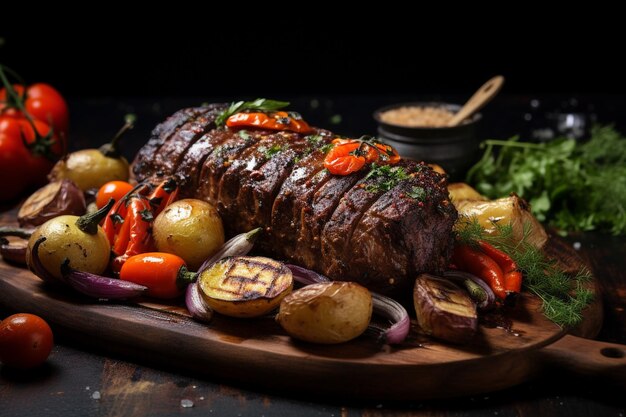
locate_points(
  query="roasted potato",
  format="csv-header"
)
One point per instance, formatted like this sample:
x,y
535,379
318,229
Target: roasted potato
x,y
90,168
444,310
509,210
330,312
64,240
460,191
191,229
245,286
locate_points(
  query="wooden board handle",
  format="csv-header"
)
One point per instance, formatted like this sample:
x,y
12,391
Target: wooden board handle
x,y
589,358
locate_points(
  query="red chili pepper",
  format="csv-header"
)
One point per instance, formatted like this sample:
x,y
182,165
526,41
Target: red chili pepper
x,y
165,275
137,223
279,120
164,195
512,277
483,266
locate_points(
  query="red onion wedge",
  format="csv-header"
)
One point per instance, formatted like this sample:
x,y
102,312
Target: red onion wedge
x,y
97,286
383,306
478,290
196,306
237,246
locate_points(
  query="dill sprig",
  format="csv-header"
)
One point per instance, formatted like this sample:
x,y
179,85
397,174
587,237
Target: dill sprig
x,y
564,296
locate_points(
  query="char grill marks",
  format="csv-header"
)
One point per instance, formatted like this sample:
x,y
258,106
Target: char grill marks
x,y
350,227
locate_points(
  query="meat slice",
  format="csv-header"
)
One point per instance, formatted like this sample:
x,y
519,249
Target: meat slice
x,y
168,156
145,160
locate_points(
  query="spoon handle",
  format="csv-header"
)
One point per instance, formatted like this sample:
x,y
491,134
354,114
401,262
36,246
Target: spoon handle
x,y
481,97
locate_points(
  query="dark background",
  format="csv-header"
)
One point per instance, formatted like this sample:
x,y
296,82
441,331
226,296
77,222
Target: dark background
x,y
397,52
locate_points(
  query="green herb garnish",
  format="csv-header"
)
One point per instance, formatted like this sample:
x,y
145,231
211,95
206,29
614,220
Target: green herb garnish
x,y
326,148
244,135
564,297
388,177
417,193
570,185
314,140
260,104
272,150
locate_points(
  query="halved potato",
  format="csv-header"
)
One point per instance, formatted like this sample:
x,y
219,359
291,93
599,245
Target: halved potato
x,y
245,286
329,312
460,191
509,210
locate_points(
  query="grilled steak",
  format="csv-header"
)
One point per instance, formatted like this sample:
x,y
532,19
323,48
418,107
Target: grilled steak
x,y
381,226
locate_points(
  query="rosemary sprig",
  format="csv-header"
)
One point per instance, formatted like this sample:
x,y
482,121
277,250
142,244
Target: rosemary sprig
x,y
564,296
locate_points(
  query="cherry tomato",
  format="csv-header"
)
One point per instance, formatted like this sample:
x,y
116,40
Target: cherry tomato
x,y
164,274
344,159
21,167
44,103
112,189
279,120
25,341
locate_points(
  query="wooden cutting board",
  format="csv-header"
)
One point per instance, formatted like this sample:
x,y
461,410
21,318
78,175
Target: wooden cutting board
x,y
256,352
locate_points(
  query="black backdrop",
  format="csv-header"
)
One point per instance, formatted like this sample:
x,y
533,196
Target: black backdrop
x,y
318,57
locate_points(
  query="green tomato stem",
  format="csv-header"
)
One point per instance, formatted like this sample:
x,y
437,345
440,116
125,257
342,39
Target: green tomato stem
x,y
111,149
185,277
88,223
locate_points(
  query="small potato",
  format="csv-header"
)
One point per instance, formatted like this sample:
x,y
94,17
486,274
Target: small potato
x,y
330,312
191,229
89,168
460,191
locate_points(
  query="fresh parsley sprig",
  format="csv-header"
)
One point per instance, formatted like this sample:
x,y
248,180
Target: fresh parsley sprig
x,y
260,104
573,186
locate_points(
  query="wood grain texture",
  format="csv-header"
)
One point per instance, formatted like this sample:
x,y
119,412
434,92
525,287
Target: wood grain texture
x,y
251,350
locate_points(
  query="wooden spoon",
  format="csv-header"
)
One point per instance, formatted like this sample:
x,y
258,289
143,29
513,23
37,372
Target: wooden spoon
x,y
481,97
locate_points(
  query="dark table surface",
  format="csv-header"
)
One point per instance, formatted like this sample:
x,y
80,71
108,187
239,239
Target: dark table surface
x,y
83,381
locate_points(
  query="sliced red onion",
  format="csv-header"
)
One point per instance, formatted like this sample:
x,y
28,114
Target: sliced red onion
x,y
97,286
478,289
198,309
383,306
397,314
237,246
37,267
306,276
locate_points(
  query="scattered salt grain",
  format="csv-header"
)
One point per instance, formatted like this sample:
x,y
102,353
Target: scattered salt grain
x,y
96,395
185,403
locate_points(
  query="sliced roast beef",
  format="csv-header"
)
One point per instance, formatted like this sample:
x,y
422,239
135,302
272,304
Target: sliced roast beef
x,y
365,227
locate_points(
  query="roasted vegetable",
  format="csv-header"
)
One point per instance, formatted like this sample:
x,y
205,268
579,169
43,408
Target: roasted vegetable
x,y
165,275
92,168
78,240
52,200
329,312
444,310
492,215
244,286
14,252
191,229
460,191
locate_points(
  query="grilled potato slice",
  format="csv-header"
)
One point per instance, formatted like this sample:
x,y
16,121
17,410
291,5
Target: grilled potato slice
x,y
245,286
460,191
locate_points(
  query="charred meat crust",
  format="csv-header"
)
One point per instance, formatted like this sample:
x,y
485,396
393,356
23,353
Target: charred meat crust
x,y
347,227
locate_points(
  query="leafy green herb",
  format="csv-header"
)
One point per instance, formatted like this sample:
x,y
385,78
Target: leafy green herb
x,y
326,148
388,177
244,135
260,104
272,150
314,140
564,297
570,185
417,193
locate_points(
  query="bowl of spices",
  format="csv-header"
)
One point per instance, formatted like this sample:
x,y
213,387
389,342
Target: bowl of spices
x,y
420,131
436,132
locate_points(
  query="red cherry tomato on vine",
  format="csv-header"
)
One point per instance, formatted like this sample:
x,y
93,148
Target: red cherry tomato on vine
x,y
45,103
21,167
112,189
25,341
165,274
